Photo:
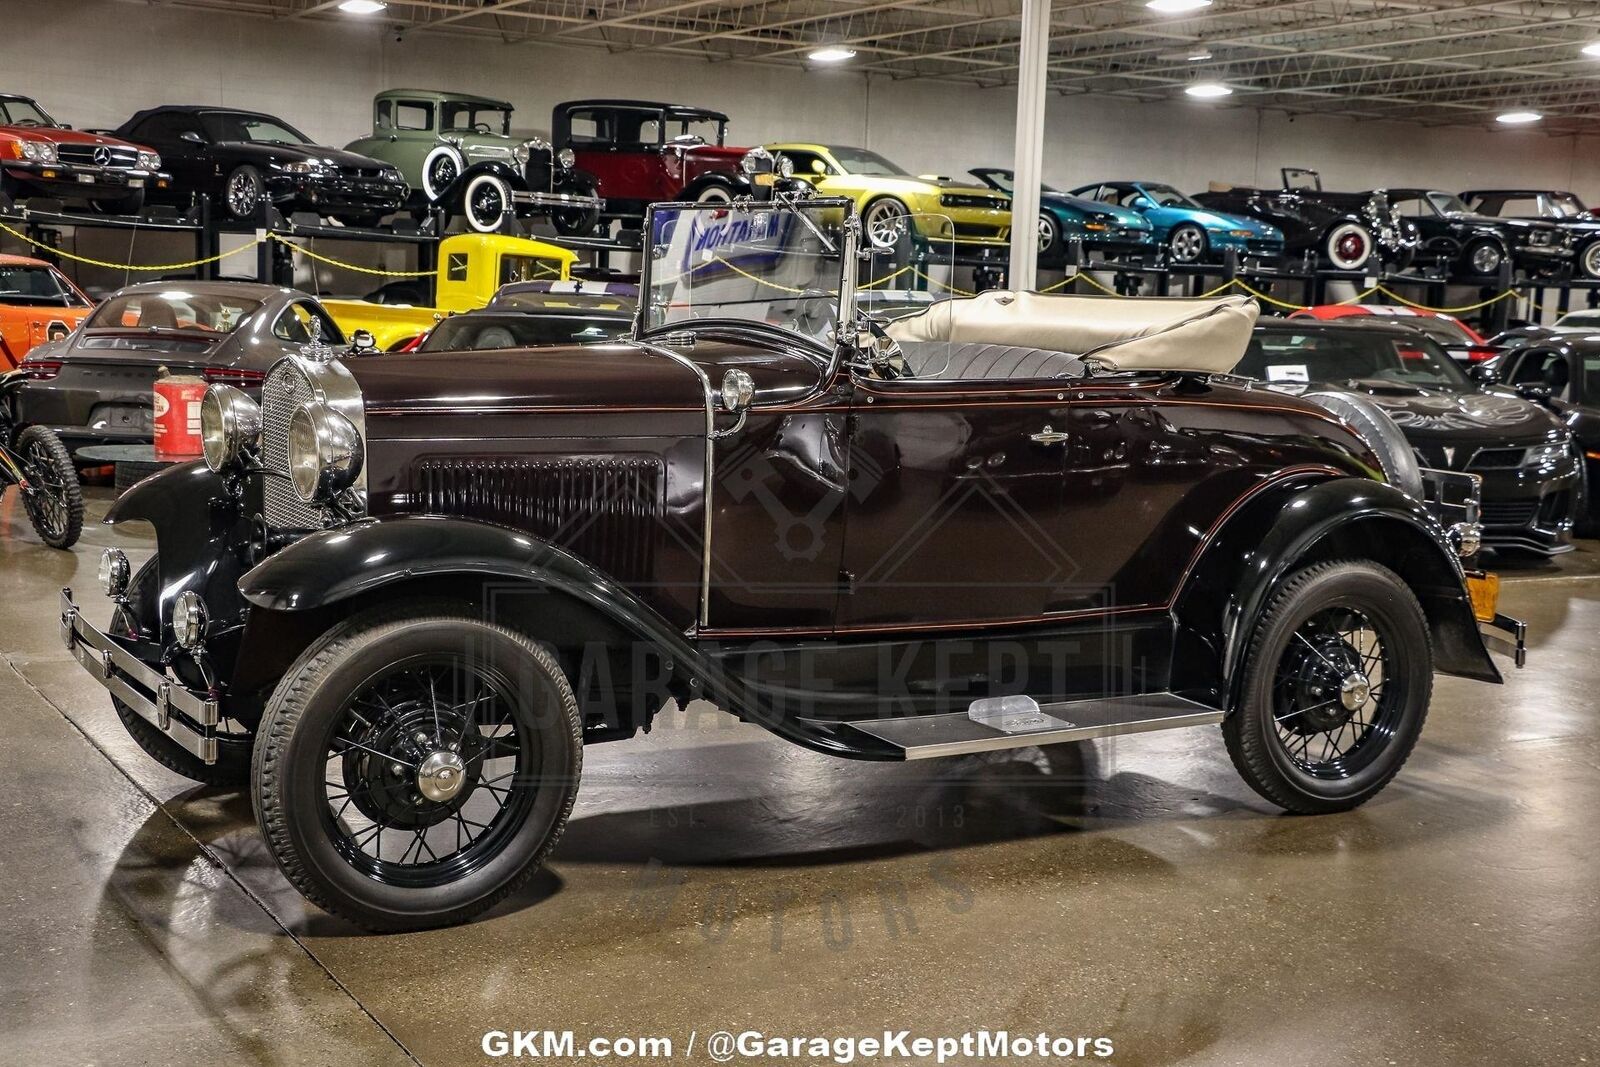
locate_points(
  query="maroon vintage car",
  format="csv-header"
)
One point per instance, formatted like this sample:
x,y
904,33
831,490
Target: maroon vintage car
x,y
39,157
642,152
398,606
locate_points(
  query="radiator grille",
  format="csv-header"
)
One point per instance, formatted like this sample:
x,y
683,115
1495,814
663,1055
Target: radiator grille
x,y
1509,512
122,158
1488,459
605,509
284,390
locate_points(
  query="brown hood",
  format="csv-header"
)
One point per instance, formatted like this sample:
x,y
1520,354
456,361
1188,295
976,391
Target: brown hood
x,y
609,377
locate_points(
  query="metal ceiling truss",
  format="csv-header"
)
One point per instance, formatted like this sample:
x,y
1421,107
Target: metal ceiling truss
x,y
1447,62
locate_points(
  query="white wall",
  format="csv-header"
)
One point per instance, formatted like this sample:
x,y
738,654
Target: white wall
x,y
94,62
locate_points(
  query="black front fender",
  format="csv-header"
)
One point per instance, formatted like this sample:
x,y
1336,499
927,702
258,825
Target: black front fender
x,y
1290,526
202,537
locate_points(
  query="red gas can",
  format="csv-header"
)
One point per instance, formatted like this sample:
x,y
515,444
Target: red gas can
x,y
177,416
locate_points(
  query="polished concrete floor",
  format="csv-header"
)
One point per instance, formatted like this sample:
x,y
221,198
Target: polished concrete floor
x,y
716,878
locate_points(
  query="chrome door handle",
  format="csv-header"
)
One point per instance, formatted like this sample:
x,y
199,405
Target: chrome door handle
x,y
1047,436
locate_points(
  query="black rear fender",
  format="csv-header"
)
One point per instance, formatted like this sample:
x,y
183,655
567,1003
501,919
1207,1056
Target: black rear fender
x,y
1289,526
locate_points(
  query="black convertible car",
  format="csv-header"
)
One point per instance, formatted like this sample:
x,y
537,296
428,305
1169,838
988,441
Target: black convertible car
x,y
1478,245
245,160
1522,452
1346,231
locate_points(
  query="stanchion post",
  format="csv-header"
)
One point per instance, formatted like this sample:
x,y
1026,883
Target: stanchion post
x,y
208,241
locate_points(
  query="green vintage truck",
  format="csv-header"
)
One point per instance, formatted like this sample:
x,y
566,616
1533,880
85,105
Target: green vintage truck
x,y
457,151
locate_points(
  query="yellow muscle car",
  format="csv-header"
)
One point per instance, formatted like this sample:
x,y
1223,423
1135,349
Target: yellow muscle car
x,y
941,209
472,267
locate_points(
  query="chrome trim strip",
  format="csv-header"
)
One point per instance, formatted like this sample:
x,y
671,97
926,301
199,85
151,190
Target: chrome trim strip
x,y
133,682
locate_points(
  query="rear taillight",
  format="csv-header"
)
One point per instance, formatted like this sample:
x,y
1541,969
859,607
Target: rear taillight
x,y
40,370
1481,354
236,376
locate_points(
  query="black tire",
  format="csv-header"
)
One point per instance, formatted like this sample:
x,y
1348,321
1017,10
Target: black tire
x,y
877,220
55,504
1188,243
1482,258
244,193
1293,657
1584,521
132,204
314,705
128,473
1589,260
232,769
578,221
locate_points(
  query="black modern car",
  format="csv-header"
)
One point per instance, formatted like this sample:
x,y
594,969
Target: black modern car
x,y
1563,371
1478,245
245,160
1523,453
490,329
1346,231
1561,208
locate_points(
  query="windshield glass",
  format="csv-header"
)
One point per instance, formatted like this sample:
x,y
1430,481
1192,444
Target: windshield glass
x,y
1566,206
1288,356
463,333
463,117
759,265
1446,204
1167,196
173,309
23,113
1585,319
241,126
35,287
860,161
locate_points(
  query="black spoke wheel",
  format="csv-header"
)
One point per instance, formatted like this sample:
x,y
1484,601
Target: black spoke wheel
x,y
1335,689
53,498
416,767
244,192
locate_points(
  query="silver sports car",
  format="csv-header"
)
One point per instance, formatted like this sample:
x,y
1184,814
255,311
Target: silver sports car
x,y
95,385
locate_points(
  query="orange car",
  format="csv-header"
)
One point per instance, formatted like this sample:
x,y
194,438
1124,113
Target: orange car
x,y
37,304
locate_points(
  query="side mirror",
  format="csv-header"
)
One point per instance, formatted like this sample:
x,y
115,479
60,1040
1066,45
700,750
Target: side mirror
x,y
1537,392
818,167
1483,373
192,137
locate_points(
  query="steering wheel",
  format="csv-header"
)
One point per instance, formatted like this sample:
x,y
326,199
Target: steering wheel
x,y
481,127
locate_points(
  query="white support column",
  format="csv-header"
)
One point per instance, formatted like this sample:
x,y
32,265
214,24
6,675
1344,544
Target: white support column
x,y
1028,159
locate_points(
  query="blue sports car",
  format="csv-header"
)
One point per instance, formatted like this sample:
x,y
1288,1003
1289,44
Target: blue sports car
x,y
1101,227
1190,232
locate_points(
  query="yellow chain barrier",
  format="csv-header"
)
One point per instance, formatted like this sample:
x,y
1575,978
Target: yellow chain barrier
x,y
1507,295
128,266
330,261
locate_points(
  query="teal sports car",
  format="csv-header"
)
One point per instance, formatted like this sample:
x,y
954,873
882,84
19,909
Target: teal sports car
x,y
1190,232
1103,228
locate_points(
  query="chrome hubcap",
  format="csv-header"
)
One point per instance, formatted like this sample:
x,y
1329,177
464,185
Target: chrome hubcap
x,y
441,775
1354,691
1186,245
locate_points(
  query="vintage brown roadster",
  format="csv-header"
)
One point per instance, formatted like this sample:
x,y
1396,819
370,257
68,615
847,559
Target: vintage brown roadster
x,y
400,596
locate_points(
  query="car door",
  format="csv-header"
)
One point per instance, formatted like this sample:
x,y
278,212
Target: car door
x,y
184,160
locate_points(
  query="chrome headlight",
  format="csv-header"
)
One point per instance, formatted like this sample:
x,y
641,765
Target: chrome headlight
x,y
566,157
1547,455
310,166
230,424
39,151
785,166
325,452
756,161
149,161
189,620
113,574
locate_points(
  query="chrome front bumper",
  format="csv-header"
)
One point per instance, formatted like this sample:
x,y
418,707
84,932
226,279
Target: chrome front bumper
x,y
166,703
555,200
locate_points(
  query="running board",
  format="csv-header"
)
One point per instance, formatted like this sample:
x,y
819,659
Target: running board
x,y
1021,721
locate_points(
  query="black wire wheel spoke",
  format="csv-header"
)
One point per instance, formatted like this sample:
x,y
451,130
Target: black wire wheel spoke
x,y
1332,706
422,784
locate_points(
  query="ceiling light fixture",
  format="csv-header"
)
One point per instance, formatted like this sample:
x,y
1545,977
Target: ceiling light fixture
x,y
362,7
1208,90
832,54
1176,7
1198,56
1592,49
1518,118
